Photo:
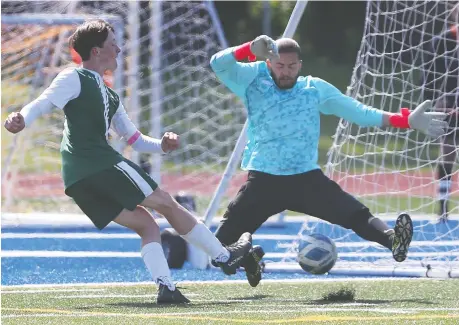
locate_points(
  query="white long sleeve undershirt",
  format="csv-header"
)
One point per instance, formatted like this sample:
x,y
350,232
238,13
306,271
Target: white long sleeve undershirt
x,y
123,126
35,109
65,87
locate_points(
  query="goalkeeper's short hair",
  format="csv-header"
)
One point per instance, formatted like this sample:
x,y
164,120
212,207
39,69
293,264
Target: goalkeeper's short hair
x,y
288,45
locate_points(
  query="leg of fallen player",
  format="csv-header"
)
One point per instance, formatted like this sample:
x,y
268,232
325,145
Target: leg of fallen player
x,y
196,233
260,197
317,195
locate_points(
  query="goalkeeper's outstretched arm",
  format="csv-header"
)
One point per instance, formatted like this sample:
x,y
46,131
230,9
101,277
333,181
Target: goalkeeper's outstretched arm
x,y
332,101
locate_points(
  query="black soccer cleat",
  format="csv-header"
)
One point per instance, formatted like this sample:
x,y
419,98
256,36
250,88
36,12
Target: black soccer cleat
x,y
403,233
251,264
237,251
167,296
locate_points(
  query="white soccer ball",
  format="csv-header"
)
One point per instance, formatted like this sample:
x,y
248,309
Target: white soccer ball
x,y
317,253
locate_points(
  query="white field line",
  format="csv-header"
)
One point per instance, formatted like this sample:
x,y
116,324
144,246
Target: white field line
x,y
62,219
49,291
111,254
116,296
255,237
369,254
75,254
50,315
251,311
204,282
87,235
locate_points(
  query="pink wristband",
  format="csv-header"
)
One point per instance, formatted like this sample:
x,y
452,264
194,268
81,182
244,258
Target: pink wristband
x,y
134,138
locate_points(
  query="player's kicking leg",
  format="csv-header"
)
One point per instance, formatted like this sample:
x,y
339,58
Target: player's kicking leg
x,y
258,199
143,223
228,258
115,195
111,196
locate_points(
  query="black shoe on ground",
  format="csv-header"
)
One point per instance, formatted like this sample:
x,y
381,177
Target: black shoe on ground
x,y
237,251
167,296
251,264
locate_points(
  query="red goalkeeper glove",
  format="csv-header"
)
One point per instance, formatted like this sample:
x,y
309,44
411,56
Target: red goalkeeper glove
x,y
400,120
243,51
429,123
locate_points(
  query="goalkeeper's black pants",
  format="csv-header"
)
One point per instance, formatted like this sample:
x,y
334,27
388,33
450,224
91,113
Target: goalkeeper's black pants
x,y
312,193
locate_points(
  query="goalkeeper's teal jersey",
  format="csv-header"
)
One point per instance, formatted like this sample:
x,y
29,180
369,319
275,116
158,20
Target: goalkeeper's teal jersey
x,y
284,125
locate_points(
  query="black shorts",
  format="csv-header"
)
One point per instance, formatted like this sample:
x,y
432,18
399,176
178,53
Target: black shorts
x,y
264,195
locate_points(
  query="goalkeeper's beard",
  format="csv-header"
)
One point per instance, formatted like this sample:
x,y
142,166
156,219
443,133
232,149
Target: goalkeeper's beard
x,y
285,82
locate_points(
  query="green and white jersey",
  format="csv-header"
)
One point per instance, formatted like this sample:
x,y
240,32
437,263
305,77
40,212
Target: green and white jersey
x,y
90,109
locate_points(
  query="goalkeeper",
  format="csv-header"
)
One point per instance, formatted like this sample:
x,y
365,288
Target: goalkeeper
x,y
106,186
282,149
441,84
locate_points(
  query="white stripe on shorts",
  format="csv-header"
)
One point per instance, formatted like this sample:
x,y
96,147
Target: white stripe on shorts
x,y
135,178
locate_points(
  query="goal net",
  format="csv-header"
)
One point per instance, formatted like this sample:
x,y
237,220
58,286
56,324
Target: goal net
x,y
163,77
394,170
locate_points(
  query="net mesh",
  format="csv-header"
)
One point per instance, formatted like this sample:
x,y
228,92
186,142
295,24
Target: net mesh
x,y
167,49
394,170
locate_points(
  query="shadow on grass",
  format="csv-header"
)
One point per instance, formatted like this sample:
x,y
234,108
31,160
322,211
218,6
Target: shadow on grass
x,y
251,298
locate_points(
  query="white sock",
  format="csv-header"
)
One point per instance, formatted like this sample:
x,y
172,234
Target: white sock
x,y
203,238
153,257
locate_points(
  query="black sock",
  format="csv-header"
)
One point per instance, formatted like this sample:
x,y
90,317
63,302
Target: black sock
x,y
362,226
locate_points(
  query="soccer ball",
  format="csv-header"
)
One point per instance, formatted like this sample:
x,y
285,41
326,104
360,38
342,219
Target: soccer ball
x,y
317,253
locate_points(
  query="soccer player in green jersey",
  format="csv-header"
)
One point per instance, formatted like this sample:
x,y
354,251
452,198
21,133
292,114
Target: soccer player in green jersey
x,y
106,186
